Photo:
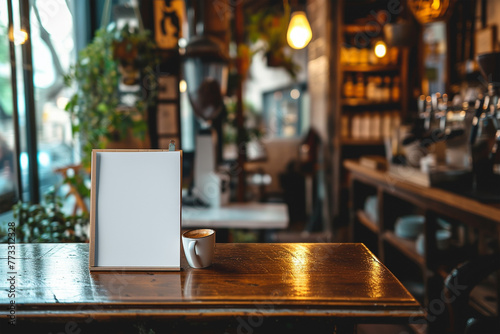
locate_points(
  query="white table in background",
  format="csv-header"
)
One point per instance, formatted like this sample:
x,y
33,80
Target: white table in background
x,y
237,215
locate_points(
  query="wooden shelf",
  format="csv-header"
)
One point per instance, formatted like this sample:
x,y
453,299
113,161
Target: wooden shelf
x,y
406,246
436,202
361,142
445,203
363,219
370,68
355,102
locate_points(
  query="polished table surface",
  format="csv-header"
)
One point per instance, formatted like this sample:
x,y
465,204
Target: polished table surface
x,y
237,215
344,281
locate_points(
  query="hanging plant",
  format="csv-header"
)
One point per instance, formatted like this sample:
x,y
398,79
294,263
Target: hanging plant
x,y
270,26
113,57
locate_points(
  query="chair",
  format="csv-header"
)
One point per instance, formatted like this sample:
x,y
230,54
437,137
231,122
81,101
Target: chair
x,y
458,286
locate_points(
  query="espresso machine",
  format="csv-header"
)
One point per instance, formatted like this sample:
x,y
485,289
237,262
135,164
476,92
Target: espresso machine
x,y
205,70
485,131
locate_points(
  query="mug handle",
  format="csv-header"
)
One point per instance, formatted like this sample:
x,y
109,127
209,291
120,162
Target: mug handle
x,y
192,254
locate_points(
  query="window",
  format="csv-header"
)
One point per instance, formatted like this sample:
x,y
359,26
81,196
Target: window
x,y
53,51
53,45
286,112
7,136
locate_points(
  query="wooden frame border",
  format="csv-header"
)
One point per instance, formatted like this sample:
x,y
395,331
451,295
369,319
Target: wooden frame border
x,y
92,265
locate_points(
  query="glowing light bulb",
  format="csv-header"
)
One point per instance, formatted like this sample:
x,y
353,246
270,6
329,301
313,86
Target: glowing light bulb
x,y
299,32
18,36
436,4
182,42
182,86
380,49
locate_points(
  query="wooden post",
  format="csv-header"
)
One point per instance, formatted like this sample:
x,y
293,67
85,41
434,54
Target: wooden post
x,y
239,22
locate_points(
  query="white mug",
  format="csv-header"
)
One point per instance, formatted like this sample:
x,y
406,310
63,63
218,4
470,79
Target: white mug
x,y
199,247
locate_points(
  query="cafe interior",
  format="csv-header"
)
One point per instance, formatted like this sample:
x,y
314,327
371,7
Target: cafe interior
x,y
341,154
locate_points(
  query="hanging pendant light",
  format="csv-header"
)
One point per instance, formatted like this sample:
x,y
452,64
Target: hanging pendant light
x,y
380,49
427,11
299,32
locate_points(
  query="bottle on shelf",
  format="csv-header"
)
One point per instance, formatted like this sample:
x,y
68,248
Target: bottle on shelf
x,y
364,56
353,55
386,92
386,125
356,126
371,88
396,119
344,129
373,59
375,125
396,90
378,89
369,125
360,86
348,87
365,126
394,55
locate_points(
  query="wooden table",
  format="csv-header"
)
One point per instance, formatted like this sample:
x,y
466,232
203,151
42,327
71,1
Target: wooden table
x,y
249,287
237,215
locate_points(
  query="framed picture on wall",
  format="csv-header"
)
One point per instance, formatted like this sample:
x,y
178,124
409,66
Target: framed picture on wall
x,y
168,87
167,119
168,17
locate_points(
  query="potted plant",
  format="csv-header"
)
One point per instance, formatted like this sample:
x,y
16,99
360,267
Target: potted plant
x,y
115,57
47,222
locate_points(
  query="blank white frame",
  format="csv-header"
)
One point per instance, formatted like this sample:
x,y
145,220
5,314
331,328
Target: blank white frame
x,y
135,210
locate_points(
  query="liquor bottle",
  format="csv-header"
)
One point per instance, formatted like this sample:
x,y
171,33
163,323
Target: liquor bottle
x,y
387,89
348,87
360,86
378,89
371,88
396,92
